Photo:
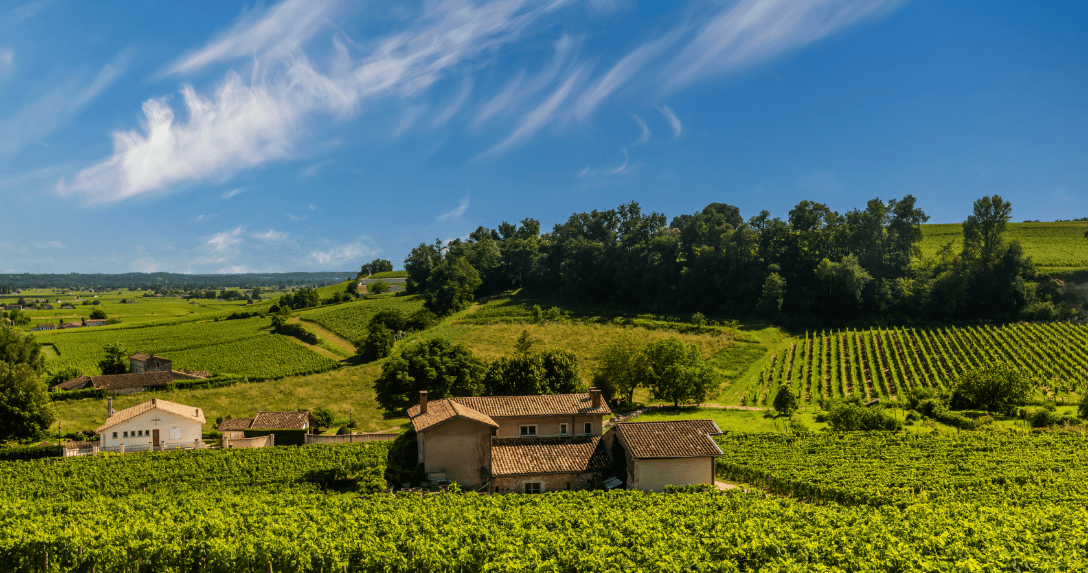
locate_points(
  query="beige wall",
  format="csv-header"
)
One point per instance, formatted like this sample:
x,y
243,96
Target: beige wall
x,y
548,425
549,482
654,474
459,448
188,430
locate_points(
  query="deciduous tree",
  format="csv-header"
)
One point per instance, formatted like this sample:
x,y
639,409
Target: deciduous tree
x,y
25,409
437,365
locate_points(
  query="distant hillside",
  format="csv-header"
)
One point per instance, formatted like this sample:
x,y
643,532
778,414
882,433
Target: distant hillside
x,y
172,280
1059,244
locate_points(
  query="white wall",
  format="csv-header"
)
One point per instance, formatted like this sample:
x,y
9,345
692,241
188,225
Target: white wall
x,y
655,474
187,430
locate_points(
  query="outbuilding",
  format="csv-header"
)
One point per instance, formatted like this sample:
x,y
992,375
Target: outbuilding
x,y
674,452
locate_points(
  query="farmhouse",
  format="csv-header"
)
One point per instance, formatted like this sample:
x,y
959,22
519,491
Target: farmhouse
x,y
95,322
154,425
513,443
140,362
39,327
675,452
64,325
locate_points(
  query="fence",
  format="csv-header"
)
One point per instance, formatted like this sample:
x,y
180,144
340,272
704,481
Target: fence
x,y
257,442
93,448
350,438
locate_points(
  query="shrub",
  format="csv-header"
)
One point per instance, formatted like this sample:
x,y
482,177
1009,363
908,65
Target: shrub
x,y
377,345
343,431
785,401
844,416
322,417
999,387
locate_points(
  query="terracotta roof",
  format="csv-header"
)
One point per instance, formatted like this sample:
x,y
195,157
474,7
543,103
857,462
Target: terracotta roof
x,y
75,383
444,410
669,439
543,405
281,421
182,410
235,424
520,456
197,373
140,357
131,380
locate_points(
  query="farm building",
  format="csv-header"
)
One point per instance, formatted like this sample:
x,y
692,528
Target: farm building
x,y
234,429
153,425
513,443
64,325
95,322
140,362
67,307
675,452
40,327
47,306
119,383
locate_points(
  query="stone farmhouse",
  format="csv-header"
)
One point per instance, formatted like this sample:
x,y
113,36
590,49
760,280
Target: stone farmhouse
x,y
140,362
151,426
533,444
40,327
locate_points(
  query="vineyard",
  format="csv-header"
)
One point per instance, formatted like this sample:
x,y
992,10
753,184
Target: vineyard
x,y
241,347
1000,502
351,320
1059,244
887,363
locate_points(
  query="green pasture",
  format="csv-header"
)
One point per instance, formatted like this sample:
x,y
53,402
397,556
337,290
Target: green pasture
x,y
1048,244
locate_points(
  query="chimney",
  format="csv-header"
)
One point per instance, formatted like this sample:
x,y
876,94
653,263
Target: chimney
x,y
422,401
595,395
109,407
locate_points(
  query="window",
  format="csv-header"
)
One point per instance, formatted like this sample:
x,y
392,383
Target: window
x,y
494,432
115,435
528,430
140,433
126,434
588,428
562,429
534,487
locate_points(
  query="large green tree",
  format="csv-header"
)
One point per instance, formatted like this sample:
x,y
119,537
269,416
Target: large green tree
x,y
116,359
26,411
451,286
678,372
622,367
982,232
998,387
20,348
531,373
438,366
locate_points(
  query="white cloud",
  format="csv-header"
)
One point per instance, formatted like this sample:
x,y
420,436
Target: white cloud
x,y
1064,195
230,194
645,136
232,270
222,241
313,169
754,31
455,105
144,265
543,114
456,212
820,182
512,97
620,74
295,217
270,236
343,254
50,245
245,124
674,122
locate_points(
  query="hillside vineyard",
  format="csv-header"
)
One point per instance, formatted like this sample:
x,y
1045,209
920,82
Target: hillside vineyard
x,y
889,363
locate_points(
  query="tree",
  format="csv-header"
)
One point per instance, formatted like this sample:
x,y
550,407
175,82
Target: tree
x,y
116,359
280,316
322,417
19,348
678,372
547,372
26,411
998,387
62,375
376,266
451,286
98,313
353,288
774,292
524,343
622,367
785,401
378,343
438,366
420,263
377,287
983,230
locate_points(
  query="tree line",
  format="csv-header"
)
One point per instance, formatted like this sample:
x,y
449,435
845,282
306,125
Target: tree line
x,y
815,267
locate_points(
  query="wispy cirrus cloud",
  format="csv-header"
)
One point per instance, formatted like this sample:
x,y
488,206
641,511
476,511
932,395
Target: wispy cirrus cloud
x,y
456,212
341,254
270,236
674,122
228,194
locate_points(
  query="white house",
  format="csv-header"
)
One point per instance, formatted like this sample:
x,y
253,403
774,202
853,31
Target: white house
x,y
153,425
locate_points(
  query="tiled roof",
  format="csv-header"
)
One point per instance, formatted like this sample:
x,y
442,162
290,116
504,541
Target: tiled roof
x,y
235,424
281,420
669,439
439,411
132,380
520,456
140,357
543,405
182,410
75,383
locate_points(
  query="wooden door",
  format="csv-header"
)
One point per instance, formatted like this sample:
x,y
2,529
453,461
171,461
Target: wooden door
x,y
155,438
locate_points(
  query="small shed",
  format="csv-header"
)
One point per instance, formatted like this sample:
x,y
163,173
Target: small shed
x,y
673,452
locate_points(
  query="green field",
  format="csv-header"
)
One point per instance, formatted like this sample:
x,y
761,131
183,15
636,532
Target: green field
x,y
1048,244
350,320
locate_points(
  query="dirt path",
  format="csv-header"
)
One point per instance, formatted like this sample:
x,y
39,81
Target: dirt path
x,y
333,338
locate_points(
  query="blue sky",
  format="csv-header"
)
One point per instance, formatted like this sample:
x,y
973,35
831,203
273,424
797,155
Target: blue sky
x,y
305,135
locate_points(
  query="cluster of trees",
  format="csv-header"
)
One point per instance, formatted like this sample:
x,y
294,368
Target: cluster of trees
x,y
376,266
816,266
671,369
25,409
445,369
388,326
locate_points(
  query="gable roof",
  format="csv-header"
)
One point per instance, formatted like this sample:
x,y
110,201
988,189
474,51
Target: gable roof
x,y
444,410
522,456
669,439
281,421
131,380
187,412
542,405
139,357
75,383
235,424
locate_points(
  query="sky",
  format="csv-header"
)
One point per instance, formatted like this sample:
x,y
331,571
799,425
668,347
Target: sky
x,y
220,137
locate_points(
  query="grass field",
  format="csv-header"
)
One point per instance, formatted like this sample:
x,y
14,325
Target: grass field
x,y
1048,244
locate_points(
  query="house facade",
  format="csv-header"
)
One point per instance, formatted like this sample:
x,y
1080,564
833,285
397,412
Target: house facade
x,y
153,425
513,443
140,362
40,327
674,452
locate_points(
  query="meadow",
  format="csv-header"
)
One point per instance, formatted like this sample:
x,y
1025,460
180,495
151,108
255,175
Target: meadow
x,y
1048,244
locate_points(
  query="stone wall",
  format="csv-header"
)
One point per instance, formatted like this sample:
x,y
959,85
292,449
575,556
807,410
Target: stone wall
x,y
549,482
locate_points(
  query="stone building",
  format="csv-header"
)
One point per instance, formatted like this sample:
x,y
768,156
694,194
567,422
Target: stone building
x,y
673,452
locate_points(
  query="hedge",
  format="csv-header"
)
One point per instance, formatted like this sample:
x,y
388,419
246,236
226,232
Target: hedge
x,y
29,453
